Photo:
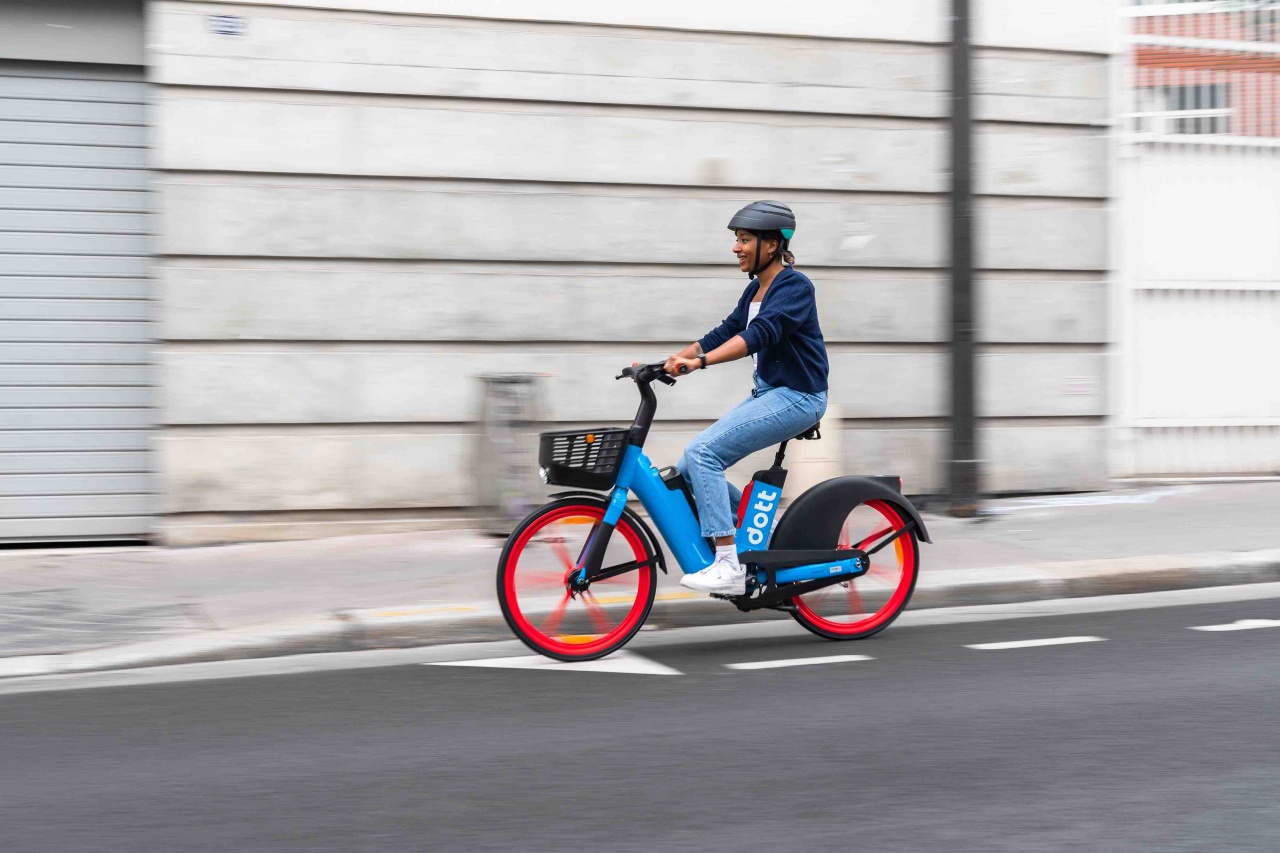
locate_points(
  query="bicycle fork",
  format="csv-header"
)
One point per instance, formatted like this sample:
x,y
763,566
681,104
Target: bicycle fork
x,y
591,560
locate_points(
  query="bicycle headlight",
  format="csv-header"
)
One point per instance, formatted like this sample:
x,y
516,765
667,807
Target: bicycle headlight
x,y
544,477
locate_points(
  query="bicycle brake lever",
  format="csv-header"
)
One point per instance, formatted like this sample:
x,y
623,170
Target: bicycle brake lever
x,y
665,379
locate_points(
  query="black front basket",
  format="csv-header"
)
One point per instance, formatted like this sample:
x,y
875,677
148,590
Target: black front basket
x,y
582,459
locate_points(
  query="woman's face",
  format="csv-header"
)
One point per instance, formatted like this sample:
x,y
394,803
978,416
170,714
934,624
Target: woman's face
x,y
745,249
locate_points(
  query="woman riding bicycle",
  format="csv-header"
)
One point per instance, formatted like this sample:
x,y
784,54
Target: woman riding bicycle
x,y
776,323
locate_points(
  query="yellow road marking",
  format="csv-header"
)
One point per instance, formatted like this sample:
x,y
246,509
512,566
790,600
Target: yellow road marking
x,y
444,608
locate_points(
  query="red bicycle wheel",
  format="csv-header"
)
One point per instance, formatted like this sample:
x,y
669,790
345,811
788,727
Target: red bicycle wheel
x,y
533,591
866,604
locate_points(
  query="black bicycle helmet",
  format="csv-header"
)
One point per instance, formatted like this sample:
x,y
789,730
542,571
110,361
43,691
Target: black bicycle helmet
x,y
761,218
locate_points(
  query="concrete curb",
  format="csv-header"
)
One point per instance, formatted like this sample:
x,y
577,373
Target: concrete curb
x,y
355,630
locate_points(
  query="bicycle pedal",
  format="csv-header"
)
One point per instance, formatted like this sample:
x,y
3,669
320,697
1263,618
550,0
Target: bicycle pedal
x,y
719,596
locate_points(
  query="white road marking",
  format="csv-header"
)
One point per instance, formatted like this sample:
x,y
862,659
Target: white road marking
x,y
1089,604
775,664
1240,625
620,661
1027,644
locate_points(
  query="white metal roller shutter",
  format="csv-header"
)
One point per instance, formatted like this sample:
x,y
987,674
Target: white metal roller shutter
x,y
74,396
1198,261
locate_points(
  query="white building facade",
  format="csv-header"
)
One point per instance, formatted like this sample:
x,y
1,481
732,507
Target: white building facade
x,y
349,210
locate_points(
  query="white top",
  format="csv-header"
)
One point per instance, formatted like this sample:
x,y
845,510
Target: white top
x,y
753,308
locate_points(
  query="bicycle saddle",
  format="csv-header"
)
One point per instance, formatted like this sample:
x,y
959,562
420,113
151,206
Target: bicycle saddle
x,y
813,433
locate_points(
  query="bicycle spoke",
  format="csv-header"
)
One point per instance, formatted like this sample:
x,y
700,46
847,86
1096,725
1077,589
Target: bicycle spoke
x,y
557,545
557,616
539,574
855,600
541,577
885,574
596,612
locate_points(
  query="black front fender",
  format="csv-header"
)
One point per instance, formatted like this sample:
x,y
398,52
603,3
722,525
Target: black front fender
x,y
814,519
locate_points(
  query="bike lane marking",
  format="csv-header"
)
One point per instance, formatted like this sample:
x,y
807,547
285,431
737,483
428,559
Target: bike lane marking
x,y
1240,625
621,661
775,664
1027,644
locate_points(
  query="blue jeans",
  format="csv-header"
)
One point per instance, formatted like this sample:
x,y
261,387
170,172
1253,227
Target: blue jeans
x,y
769,416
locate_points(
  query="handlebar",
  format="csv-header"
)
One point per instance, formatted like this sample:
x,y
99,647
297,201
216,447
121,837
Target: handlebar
x,y
644,376
647,373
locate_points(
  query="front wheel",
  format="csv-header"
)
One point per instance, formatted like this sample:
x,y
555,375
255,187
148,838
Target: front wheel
x,y
866,604
533,590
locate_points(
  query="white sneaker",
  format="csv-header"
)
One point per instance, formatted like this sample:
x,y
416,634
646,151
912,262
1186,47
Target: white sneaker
x,y
721,577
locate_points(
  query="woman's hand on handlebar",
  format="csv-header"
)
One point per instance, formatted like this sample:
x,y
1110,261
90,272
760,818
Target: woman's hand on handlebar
x,y
671,366
677,366
639,368
663,371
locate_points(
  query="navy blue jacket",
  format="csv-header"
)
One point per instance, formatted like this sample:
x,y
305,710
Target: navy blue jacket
x,y
785,334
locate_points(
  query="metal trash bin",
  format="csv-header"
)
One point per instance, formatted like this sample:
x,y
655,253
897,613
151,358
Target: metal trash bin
x,y
506,450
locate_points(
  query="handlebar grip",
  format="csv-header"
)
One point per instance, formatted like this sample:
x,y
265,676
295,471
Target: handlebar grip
x,y
684,368
644,372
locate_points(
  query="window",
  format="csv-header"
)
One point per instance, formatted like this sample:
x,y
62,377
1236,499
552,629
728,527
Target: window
x,y
1188,109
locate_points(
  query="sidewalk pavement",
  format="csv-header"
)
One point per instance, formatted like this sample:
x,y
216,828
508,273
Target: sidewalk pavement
x,y
71,610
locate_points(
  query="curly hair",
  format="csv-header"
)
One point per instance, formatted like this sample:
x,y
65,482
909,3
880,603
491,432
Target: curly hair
x,y
783,245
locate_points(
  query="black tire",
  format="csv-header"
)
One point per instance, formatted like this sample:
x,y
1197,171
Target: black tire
x,y
628,530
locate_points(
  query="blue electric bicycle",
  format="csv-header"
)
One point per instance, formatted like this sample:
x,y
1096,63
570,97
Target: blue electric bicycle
x,y
578,576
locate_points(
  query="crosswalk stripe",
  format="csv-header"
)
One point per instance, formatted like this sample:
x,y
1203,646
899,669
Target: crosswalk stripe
x,y
775,664
618,662
1026,644
1240,625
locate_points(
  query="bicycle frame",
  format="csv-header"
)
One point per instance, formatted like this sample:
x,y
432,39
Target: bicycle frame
x,y
678,525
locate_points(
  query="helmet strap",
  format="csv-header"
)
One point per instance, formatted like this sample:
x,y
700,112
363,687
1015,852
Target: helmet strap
x,y
756,266
778,254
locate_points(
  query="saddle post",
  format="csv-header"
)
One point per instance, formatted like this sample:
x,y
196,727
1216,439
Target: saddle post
x,y
780,455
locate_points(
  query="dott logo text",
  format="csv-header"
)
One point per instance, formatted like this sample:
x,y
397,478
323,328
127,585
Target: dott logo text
x,y
762,515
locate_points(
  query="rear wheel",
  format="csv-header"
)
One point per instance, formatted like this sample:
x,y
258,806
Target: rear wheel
x,y
533,589
866,604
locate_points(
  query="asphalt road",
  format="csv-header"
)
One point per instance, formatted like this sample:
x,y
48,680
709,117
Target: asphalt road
x,y
1153,737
